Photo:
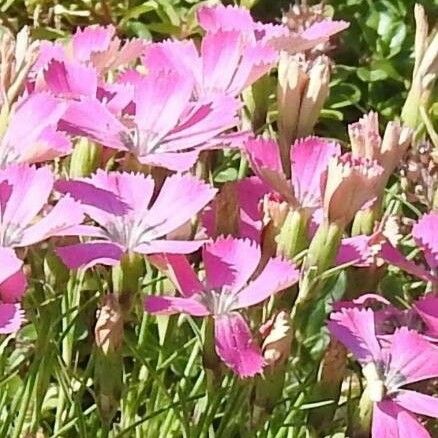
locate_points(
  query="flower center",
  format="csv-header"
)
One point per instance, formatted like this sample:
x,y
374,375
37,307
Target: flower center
x,y
219,302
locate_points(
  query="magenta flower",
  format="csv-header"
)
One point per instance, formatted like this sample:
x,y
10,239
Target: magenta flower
x,y
165,127
12,286
127,220
31,135
232,282
24,192
389,365
309,159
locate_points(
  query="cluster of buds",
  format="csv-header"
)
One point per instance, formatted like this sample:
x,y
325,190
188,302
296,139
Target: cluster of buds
x,y
419,175
303,87
17,56
425,70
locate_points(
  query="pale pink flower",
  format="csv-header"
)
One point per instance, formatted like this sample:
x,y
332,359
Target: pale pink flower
x,y
164,126
226,63
388,365
12,287
127,220
32,135
232,282
24,192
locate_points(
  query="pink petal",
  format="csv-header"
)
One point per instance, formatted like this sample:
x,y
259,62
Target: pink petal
x,y
186,195
230,63
50,145
316,34
390,420
31,118
230,262
264,156
103,198
176,161
29,190
92,119
70,79
416,402
160,99
170,305
86,255
178,269
235,346
64,215
13,282
169,246
91,39
11,318
220,17
412,357
394,257
202,125
425,233
309,163
427,308
277,275
355,328
356,250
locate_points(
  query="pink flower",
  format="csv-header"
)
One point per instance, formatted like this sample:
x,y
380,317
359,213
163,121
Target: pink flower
x,y
12,286
127,220
95,46
24,192
227,62
232,282
307,164
31,135
165,127
387,367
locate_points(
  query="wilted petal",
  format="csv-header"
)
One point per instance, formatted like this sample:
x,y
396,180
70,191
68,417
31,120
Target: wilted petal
x,y
234,345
